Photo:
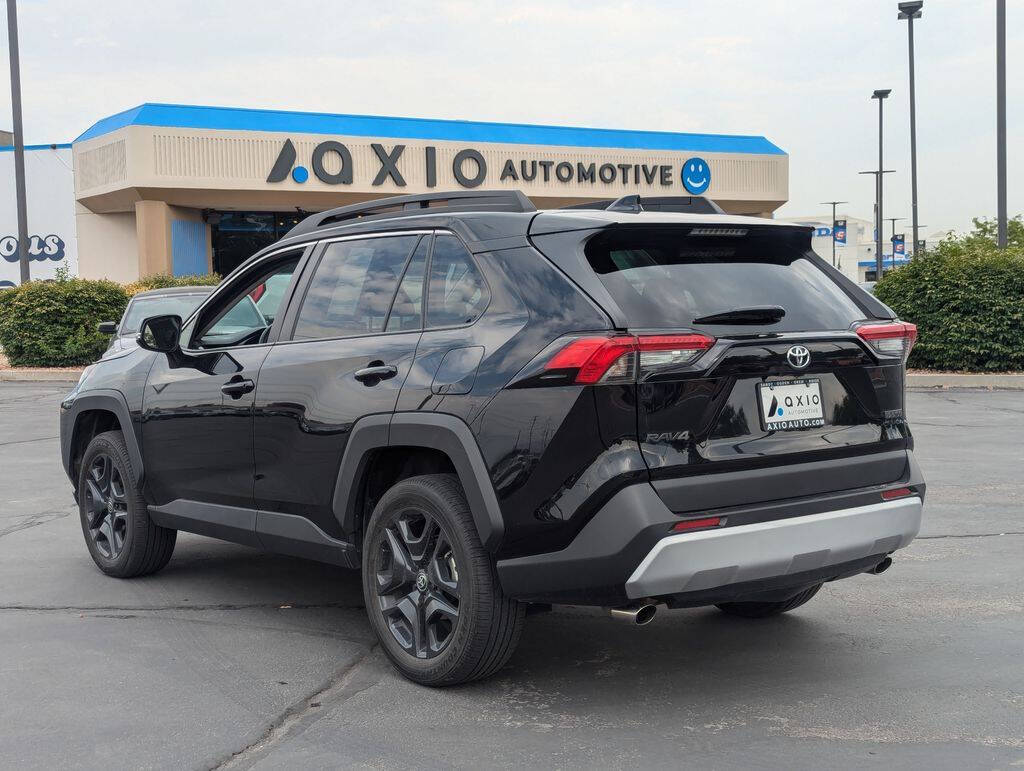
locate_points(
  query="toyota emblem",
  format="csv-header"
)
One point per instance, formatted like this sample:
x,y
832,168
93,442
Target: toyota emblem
x,y
798,356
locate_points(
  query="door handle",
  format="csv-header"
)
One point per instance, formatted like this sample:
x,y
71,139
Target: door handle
x,y
236,388
376,371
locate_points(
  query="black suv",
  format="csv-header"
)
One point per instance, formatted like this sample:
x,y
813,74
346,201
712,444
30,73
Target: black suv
x,y
485,408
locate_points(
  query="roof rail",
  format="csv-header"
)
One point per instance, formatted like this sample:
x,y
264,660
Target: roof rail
x,y
423,203
693,204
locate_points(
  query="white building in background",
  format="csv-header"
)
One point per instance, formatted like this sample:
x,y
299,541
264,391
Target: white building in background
x,y
50,194
855,256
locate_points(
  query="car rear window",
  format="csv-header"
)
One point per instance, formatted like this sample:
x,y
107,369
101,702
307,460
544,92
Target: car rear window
x,y
669,276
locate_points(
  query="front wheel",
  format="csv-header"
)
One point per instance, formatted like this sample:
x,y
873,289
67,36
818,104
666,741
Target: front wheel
x,y
766,609
123,541
430,588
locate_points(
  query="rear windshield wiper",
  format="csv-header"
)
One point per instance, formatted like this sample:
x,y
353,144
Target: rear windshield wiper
x,y
759,314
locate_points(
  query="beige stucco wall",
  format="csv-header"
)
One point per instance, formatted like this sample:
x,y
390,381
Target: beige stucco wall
x,y
155,174
107,245
228,170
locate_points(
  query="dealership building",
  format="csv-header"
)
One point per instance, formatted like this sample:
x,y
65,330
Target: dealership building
x,y
184,189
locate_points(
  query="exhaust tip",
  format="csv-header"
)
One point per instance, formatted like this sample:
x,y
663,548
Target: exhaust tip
x,y
645,614
638,615
882,566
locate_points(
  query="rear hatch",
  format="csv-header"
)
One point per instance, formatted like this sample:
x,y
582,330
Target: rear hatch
x,y
753,360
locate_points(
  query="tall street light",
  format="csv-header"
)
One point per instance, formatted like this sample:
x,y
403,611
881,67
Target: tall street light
x,y
881,95
833,204
878,229
1001,121
911,11
19,139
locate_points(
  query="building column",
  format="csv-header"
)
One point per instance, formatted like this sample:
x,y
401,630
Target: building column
x,y
153,230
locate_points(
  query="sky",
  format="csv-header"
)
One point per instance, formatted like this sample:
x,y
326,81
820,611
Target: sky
x,y
800,73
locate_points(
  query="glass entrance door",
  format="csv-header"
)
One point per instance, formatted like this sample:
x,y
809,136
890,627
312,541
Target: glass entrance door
x,y
237,235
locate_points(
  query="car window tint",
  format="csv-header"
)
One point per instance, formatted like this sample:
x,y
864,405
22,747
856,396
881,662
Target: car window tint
x,y
457,293
351,291
406,311
667,277
239,316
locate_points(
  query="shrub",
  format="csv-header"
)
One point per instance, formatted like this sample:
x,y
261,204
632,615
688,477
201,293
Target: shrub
x,y
162,281
967,299
53,323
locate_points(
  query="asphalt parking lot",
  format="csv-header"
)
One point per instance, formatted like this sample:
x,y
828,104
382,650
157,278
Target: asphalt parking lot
x,y
234,658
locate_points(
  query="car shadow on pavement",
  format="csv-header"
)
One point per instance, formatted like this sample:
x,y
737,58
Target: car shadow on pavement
x,y
571,649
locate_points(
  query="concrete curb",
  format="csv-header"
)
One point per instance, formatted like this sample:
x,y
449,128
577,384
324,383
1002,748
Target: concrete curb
x,y
991,381
29,375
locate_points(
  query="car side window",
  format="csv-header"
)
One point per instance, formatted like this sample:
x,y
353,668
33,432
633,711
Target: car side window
x,y
351,291
407,308
456,292
241,319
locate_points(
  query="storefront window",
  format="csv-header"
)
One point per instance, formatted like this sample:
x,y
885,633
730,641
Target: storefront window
x,y
236,235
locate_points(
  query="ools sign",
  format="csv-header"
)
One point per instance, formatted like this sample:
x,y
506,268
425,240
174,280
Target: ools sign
x,y
469,168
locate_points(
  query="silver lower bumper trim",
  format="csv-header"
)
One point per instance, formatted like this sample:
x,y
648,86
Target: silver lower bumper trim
x,y
707,559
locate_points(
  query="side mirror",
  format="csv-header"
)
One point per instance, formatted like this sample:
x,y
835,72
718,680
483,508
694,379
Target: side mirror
x,y
106,327
160,333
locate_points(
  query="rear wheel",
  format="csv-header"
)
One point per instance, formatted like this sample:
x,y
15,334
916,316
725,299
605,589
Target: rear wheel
x,y
122,539
766,609
431,591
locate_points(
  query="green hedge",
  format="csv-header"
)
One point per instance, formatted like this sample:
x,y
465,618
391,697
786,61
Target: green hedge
x,y
53,323
162,281
967,299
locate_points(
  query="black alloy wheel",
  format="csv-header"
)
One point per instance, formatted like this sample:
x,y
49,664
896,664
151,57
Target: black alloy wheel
x,y
431,590
106,506
122,539
417,583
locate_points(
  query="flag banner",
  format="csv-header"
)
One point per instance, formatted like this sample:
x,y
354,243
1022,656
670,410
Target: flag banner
x,y
839,231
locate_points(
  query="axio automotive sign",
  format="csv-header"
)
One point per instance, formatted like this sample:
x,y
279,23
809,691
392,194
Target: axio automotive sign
x,y
331,163
50,189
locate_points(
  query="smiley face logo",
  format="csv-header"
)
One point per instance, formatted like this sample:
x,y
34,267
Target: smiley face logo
x,y
696,175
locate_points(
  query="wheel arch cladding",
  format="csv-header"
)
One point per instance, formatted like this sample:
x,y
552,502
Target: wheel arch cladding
x,y
83,415
440,432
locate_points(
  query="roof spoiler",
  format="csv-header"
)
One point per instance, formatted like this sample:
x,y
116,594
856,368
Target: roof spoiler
x,y
693,204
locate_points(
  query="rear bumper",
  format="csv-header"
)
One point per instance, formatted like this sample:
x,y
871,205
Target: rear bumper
x,y
628,550
692,562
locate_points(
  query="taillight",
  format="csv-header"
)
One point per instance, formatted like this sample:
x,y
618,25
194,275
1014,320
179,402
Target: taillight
x,y
615,359
894,339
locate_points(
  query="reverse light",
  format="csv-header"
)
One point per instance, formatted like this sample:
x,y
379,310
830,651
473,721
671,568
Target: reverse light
x,y
614,359
895,339
696,524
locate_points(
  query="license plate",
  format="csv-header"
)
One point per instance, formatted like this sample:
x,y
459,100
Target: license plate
x,y
788,405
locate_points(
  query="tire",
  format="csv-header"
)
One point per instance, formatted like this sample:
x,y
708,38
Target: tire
x,y
123,541
766,609
422,559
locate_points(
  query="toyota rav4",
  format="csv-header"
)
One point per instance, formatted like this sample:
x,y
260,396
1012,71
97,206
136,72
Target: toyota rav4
x,y
485,408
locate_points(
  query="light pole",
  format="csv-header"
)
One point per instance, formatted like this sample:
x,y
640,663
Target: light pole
x,y
833,204
911,11
19,139
878,221
1001,121
881,94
